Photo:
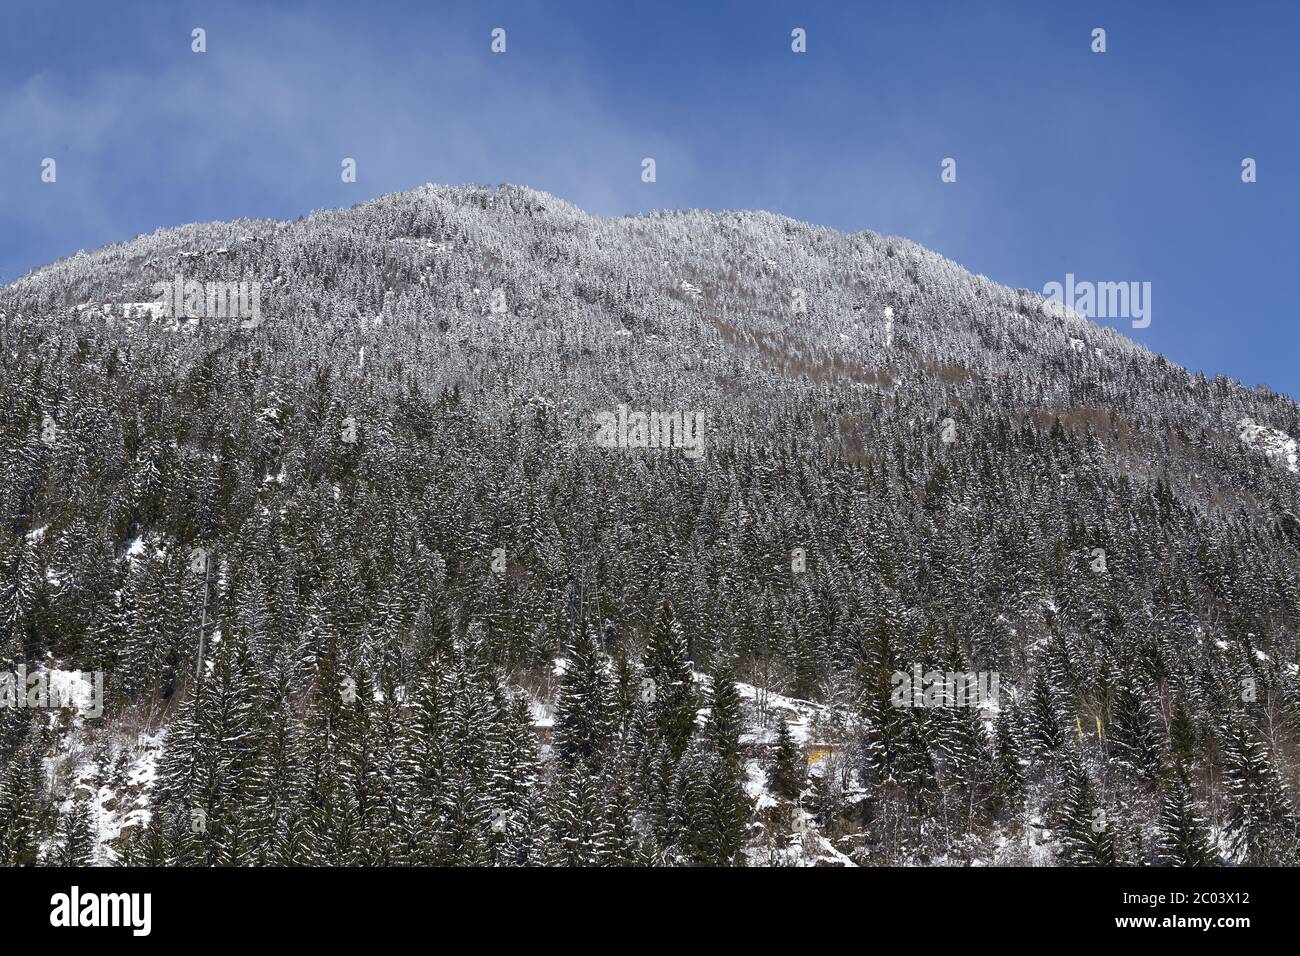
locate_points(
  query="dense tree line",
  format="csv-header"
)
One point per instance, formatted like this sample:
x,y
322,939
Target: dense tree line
x,y
383,612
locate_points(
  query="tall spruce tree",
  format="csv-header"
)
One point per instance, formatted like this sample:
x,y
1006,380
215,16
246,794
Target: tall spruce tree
x,y
583,714
786,771
671,686
1182,838
1084,828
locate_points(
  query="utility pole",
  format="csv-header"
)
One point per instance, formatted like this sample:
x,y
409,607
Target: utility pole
x,y
203,619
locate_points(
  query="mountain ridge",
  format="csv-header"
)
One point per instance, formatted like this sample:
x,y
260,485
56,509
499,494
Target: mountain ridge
x,y
397,475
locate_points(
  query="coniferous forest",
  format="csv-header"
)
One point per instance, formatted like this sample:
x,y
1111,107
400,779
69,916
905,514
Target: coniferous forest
x,y
364,586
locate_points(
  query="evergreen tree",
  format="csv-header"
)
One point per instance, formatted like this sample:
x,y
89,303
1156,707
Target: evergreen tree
x,y
672,687
1009,774
1132,735
1084,827
623,843
722,808
21,803
1183,839
1046,733
967,763
75,840
785,770
1261,823
583,719
577,820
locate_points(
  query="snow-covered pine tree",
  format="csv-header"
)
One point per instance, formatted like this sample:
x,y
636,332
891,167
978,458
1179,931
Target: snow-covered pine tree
x,y
672,689
786,770
583,717
1084,827
1183,838
74,841
1261,820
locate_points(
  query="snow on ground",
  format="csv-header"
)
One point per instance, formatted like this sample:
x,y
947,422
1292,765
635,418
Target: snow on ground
x,y
140,778
76,689
1274,443
543,714
114,811
435,245
806,846
55,689
153,311
141,310
138,547
800,715
756,785
110,771
807,849
762,709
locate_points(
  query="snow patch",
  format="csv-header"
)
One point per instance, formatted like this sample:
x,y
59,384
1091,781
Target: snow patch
x,y
1276,444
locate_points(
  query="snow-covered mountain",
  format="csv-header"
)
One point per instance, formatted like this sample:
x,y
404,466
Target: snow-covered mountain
x,y
403,457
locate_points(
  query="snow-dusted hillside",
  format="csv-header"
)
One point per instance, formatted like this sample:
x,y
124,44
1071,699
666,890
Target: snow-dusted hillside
x,y
1273,442
327,561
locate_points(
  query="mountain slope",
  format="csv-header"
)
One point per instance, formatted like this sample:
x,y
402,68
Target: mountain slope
x,y
403,479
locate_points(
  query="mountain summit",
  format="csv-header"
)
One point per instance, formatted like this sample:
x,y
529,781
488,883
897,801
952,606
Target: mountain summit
x,y
462,526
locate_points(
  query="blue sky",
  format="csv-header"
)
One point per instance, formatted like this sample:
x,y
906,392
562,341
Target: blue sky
x,y
1115,167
